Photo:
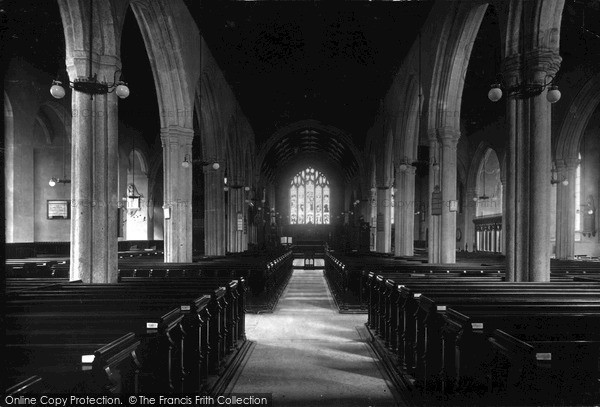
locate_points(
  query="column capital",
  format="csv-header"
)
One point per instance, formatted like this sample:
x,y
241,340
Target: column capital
x,y
448,137
176,135
511,70
571,163
104,66
405,169
445,135
432,137
540,64
566,165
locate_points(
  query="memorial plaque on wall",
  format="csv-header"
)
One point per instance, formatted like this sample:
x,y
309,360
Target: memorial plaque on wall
x,y
380,222
240,221
58,209
436,202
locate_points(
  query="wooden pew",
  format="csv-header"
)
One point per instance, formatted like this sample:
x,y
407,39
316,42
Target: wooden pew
x,y
424,351
14,285
177,331
395,305
545,369
467,352
378,288
428,321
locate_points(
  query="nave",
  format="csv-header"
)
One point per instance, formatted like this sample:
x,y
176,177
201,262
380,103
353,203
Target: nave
x,y
307,354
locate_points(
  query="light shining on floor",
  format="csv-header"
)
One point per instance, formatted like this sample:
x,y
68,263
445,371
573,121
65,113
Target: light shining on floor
x,y
307,354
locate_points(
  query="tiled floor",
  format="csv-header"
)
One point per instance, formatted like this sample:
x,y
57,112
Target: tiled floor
x,y
307,354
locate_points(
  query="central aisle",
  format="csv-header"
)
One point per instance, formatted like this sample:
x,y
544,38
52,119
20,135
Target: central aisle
x,y
307,354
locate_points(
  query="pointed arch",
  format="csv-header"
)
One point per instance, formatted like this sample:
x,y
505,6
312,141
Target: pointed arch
x,y
453,44
9,168
106,40
578,115
174,62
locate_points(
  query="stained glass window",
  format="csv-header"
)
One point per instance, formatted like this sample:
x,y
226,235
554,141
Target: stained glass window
x,y
309,198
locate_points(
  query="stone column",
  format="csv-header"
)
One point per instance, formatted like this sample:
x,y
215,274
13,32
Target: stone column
x,y
470,214
384,212
449,141
177,144
235,206
271,197
347,203
528,170
94,179
214,213
372,219
249,234
404,210
434,227
565,209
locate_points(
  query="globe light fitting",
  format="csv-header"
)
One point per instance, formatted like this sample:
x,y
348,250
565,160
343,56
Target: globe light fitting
x,y
187,163
525,90
90,85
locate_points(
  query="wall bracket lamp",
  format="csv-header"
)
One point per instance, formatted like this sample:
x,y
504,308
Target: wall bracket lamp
x,y
53,181
187,163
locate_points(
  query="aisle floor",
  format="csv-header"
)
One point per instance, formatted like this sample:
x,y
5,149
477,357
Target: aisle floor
x,y
307,354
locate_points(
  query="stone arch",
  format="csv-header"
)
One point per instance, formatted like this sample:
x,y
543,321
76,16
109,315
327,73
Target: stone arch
x,y
484,153
233,169
170,58
313,124
249,166
42,121
579,113
54,110
75,18
137,156
453,43
407,123
385,167
475,163
137,220
207,109
546,16
9,167
235,159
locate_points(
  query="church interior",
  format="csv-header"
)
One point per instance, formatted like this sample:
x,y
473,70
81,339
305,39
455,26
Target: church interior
x,y
290,203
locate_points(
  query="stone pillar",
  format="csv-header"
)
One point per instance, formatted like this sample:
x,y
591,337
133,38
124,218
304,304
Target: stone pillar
x,y
94,179
434,227
449,141
177,144
404,210
249,234
528,170
372,209
384,215
565,209
214,213
470,214
347,203
271,197
235,206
